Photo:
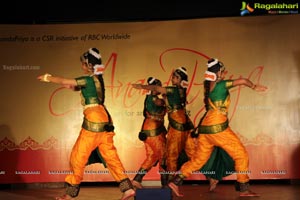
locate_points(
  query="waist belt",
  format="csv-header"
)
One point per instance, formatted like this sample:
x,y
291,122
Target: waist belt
x,y
181,127
174,108
155,132
97,126
213,128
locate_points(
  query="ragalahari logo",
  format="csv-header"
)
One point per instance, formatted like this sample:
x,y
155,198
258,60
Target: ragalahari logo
x,y
246,9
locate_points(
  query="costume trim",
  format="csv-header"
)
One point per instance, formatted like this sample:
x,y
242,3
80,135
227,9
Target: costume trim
x,y
125,185
213,128
173,108
154,132
164,179
178,179
92,100
140,174
72,190
181,127
97,126
242,187
219,105
99,90
229,84
80,82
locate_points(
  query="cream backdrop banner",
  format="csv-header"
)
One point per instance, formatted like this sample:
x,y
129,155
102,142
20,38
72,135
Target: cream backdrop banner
x,y
40,122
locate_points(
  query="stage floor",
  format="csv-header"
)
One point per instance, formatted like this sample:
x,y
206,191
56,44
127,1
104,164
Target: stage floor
x,y
191,192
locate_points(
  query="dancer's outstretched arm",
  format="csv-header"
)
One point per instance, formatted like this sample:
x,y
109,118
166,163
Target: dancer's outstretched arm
x,y
248,83
156,88
68,83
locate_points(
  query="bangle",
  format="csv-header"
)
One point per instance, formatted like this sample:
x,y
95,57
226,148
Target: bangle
x,y
45,77
253,87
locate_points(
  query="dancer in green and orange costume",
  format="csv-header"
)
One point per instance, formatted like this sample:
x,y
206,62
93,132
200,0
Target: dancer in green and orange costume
x,y
153,134
96,135
214,129
180,125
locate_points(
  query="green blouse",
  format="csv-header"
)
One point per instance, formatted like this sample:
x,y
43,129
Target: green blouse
x,y
91,90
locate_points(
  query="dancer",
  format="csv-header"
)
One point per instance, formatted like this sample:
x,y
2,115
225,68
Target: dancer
x,y
97,132
153,134
215,131
180,124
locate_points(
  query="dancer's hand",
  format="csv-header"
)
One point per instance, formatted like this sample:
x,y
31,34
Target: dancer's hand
x,y
260,88
44,78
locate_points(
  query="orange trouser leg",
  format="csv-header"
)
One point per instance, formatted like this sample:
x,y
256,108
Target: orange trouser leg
x,y
111,157
85,144
226,140
201,155
175,144
151,157
155,151
190,146
233,146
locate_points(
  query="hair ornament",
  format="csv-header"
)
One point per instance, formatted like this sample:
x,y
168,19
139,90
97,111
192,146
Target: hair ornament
x,y
98,69
212,63
210,76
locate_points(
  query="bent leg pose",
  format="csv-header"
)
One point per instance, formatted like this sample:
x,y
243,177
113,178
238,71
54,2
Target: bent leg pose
x,y
214,129
97,133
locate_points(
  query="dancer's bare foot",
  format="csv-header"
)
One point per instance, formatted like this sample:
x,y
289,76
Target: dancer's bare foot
x,y
248,193
137,184
175,189
64,197
128,194
212,184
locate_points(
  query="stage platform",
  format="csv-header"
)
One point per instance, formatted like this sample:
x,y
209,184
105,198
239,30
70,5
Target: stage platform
x,y
270,189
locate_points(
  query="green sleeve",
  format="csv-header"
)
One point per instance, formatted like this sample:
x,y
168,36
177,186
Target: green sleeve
x,y
229,84
81,81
